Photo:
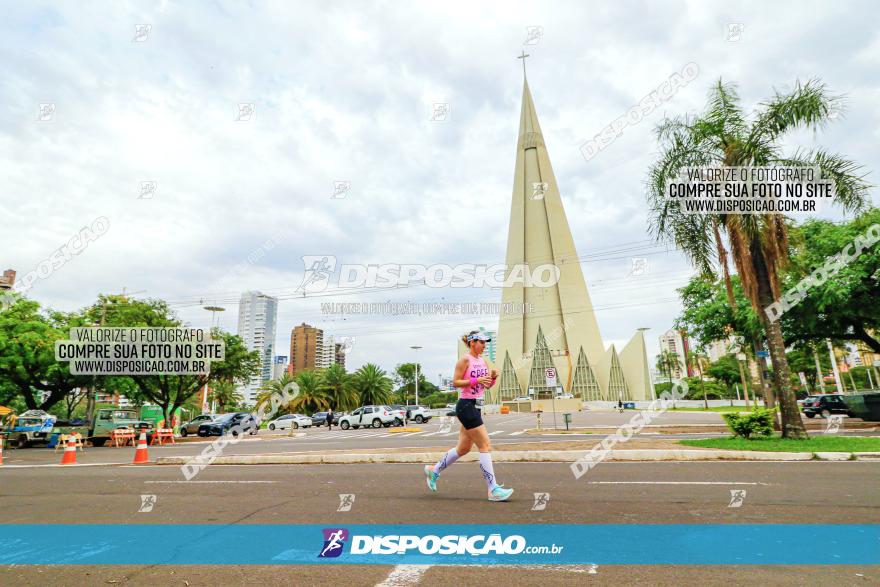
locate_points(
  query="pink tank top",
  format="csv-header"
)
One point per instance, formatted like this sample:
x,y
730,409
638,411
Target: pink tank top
x,y
476,368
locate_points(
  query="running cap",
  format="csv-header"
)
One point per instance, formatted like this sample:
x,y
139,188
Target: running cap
x,y
479,336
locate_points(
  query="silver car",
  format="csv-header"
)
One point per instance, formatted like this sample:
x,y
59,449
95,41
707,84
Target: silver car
x,y
192,427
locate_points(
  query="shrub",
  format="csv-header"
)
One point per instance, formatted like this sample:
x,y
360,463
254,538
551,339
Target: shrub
x,y
759,422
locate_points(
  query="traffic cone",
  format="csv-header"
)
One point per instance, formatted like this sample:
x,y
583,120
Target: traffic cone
x,y
140,455
69,456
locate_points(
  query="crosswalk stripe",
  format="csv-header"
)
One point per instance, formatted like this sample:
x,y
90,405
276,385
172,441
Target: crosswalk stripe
x,y
496,432
517,433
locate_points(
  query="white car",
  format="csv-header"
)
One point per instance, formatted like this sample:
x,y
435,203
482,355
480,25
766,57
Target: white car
x,y
375,416
290,421
565,396
524,398
419,414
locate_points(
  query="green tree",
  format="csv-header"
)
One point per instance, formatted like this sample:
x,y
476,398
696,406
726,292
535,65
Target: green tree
x,y
696,360
722,136
172,391
275,387
28,369
225,394
372,385
847,306
725,370
312,396
338,386
667,362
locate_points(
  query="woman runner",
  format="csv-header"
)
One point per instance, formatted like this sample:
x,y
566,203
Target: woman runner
x,y
473,378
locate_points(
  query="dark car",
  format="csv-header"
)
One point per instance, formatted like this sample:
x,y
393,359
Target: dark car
x,y
234,423
825,405
320,418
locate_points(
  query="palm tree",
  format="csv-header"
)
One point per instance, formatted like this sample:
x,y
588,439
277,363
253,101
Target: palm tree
x,y
274,388
695,360
225,394
337,384
372,385
667,361
311,397
722,136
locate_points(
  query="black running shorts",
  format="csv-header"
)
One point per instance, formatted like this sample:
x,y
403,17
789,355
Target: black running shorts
x,y
467,413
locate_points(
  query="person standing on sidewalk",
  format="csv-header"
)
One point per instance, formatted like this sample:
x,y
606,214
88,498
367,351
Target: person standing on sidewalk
x,y
473,378
330,419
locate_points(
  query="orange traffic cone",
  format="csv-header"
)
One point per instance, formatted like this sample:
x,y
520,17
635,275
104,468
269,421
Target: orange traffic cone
x,y
140,455
69,456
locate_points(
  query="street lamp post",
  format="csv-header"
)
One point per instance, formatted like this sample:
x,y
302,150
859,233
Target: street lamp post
x,y
415,348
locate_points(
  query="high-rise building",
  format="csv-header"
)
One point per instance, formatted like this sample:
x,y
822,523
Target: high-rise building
x,y
560,331
257,317
306,348
675,341
339,352
279,367
8,279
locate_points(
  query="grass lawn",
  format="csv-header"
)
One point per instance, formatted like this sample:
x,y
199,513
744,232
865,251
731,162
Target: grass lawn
x,y
717,409
777,444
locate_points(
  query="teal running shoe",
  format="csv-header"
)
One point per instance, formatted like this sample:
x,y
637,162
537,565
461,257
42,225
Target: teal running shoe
x,y
431,478
500,493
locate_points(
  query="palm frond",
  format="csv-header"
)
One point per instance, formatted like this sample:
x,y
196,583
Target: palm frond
x,y
851,187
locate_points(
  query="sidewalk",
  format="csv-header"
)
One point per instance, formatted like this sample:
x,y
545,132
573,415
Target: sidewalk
x,y
537,452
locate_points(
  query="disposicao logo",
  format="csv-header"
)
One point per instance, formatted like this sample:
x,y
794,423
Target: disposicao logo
x,y
334,542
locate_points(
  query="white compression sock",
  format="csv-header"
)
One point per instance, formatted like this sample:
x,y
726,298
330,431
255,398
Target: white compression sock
x,y
447,460
488,470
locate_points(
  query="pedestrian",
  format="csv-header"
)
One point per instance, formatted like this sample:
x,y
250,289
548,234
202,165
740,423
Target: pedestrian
x,y
473,378
620,406
330,419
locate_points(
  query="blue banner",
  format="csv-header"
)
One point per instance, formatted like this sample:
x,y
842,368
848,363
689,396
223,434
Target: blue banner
x,y
603,544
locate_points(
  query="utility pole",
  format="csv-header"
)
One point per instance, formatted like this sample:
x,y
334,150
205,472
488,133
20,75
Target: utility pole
x,y
837,378
819,375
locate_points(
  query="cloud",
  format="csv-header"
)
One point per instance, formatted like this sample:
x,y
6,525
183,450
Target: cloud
x,y
345,93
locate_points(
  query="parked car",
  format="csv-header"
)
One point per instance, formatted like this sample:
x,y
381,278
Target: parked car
x,y
375,416
399,412
290,421
825,405
320,418
418,413
234,422
522,398
192,427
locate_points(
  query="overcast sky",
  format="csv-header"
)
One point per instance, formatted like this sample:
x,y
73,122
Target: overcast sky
x,y
344,91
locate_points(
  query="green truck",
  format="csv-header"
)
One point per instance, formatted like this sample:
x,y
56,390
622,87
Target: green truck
x,y
108,419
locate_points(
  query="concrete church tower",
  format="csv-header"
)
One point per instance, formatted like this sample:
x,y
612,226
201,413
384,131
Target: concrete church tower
x,y
561,331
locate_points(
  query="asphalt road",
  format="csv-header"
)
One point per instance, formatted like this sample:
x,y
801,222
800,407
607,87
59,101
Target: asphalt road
x,y
622,493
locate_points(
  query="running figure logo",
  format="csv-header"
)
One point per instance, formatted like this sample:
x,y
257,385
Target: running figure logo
x,y
834,424
318,271
346,500
737,496
541,501
147,503
334,542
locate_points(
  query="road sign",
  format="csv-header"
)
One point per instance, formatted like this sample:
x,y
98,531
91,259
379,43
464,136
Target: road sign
x,y
550,376
763,354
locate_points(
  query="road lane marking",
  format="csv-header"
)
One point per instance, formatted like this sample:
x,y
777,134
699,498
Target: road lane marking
x,y
517,433
496,432
678,483
206,482
403,575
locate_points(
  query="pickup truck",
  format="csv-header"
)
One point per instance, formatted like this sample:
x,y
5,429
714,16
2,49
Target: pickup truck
x,y
109,419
